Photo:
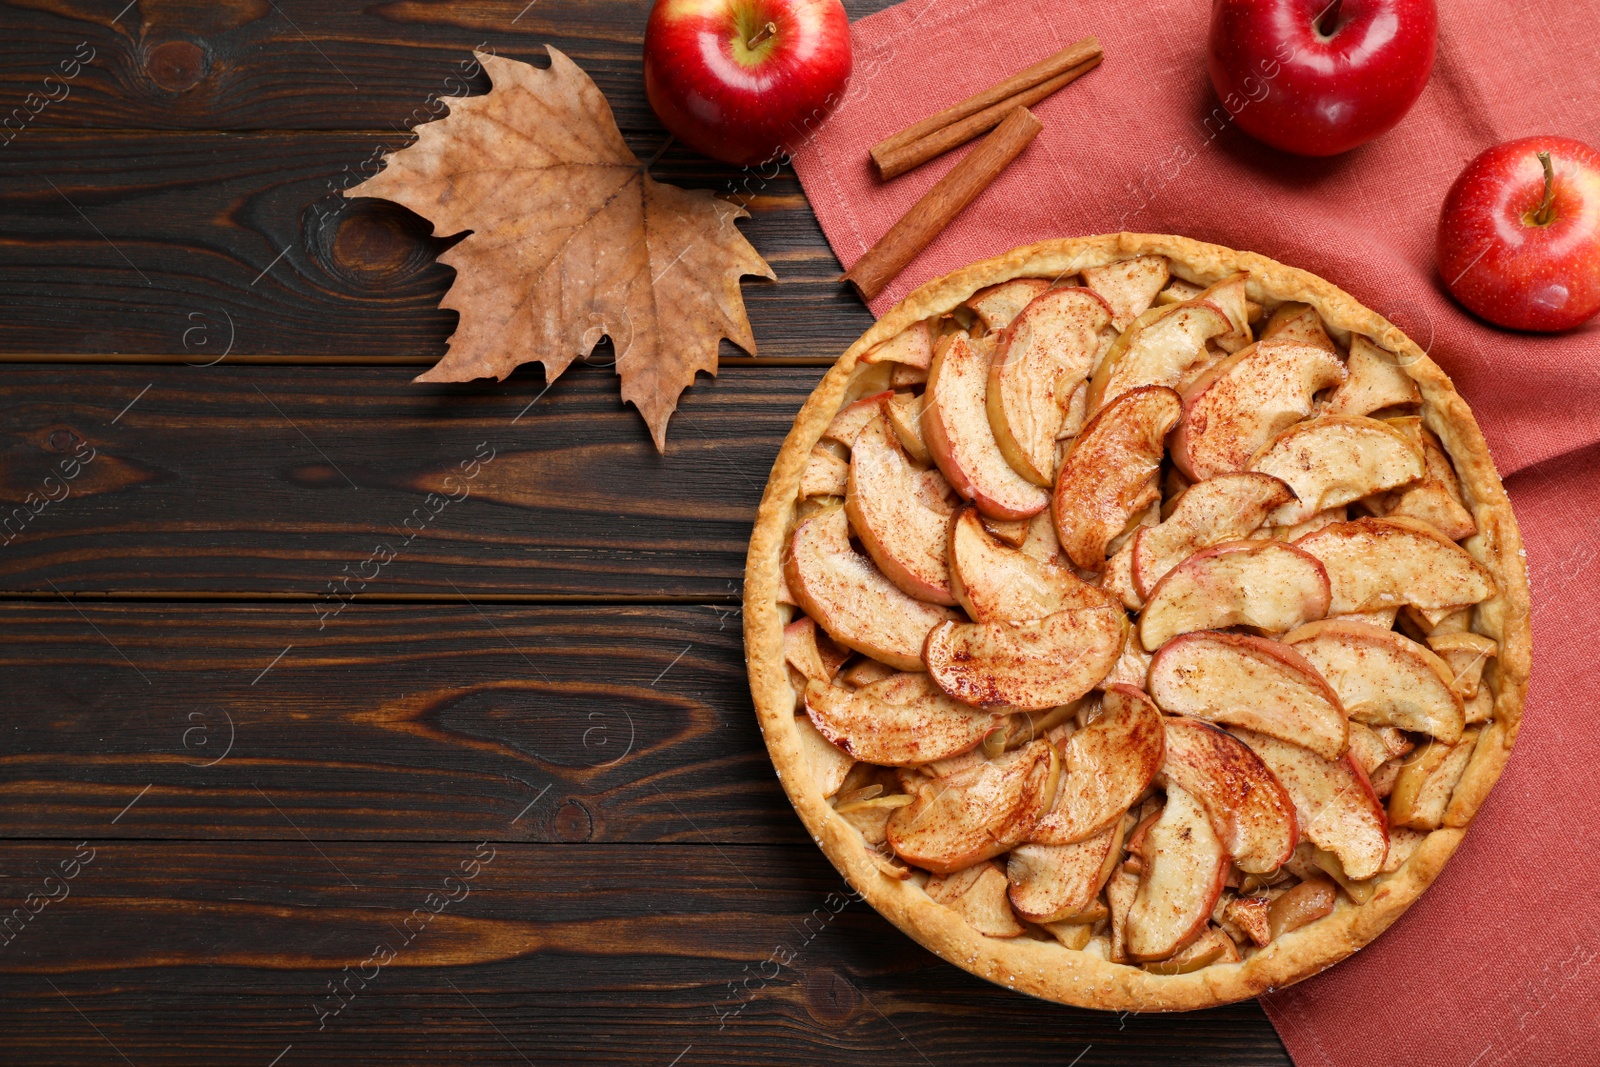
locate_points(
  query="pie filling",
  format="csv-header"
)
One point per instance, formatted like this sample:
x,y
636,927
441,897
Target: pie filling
x,y
1130,613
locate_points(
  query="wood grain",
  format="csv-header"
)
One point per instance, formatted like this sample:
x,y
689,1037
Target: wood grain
x,y
181,242
601,954
272,480
389,722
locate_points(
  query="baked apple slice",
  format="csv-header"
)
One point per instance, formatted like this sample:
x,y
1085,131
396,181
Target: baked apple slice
x,y
978,895
903,412
1249,810
902,524
996,583
1239,405
997,305
898,722
851,599
955,427
1026,666
1426,781
1043,356
853,418
810,652
1466,654
1383,677
1294,321
1185,870
977,814
1108,764
1231,297
1376,381
1159,348
1110,476
829,764
825,474
1265,585
1436,500
1334,804
912,346
1128,286
1220,509
1249,681
1375,564
1050,883
1335,459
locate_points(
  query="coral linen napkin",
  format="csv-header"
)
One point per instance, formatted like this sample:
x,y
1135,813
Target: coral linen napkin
x,y
1496,964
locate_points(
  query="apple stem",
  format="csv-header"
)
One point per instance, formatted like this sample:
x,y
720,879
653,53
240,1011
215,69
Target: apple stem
x,y
1541,216
761,35
1328,21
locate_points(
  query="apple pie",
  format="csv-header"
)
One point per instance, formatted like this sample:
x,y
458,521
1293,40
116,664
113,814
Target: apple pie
x,y
1135,622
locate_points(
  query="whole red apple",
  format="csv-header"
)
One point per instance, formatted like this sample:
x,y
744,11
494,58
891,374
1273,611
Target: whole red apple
x,y
1519,234
745,81
1319,78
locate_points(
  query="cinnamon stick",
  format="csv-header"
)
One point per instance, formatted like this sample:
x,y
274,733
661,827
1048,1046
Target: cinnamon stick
x,y
894,161
941,204
1073,56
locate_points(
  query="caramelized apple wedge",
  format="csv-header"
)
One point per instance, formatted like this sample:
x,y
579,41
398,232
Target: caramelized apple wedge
x,y
996,583
902,524
1375,381
1159,348
1128,286
1050,883
1108,764
825,474
978,895
1335,459
997,305
956,430
1374,564
1185,869
1383,677
977,814
1211,946
1027,666
1110,476
1249,810
1266,585
912,346
1253,682
1044,354
898,722
851,599
1207,513
1333,802
1239,405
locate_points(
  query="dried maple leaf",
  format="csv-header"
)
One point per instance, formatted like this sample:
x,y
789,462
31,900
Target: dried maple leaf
x,y
571,240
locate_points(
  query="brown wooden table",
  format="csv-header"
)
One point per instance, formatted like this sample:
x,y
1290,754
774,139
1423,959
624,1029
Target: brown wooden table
x,y
500,798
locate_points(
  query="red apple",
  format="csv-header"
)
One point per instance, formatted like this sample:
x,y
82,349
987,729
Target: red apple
x,y
1519,235
1319,78
745,81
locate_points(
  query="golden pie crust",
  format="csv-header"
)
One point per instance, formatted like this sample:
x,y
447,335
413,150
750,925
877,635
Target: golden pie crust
x,y
1047,969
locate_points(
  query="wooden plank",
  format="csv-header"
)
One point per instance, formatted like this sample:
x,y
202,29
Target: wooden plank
x,y
195,244
274,480
301,64
388,723
225,953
